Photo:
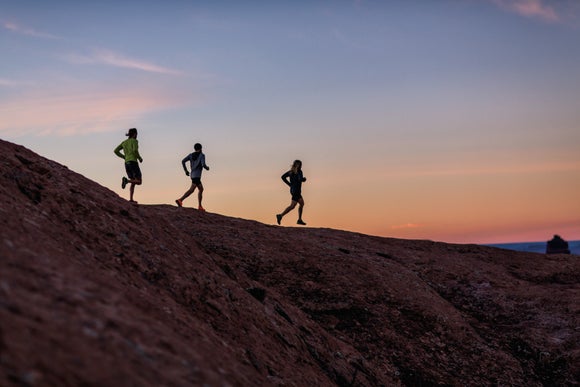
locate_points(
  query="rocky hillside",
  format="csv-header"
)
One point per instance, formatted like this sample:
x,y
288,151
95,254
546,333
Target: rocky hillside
x,y
95,291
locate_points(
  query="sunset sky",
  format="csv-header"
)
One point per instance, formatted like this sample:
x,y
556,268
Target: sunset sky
x,y
449,120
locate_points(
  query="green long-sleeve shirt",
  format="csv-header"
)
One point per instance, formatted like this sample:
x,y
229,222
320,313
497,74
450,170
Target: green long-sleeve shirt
x,y
130,149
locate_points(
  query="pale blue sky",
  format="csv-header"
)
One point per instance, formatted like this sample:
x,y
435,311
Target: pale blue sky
x,y
453,120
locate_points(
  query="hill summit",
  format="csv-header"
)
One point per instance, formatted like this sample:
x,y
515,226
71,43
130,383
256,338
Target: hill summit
x,y
95,291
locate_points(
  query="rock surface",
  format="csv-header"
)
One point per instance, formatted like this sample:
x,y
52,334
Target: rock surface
x,y
95,291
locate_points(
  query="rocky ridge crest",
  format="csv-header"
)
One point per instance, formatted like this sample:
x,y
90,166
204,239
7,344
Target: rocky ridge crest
x,y
96,291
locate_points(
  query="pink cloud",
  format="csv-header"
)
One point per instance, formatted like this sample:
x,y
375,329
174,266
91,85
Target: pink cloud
x,y
73,112
14,27
530,8
110,58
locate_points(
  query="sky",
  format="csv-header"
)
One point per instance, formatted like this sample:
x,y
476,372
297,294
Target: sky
x,y
447,120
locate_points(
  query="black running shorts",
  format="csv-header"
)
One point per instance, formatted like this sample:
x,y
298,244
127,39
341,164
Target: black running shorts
x,y
133,170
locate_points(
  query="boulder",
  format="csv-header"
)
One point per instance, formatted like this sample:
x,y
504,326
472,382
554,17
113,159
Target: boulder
x,y
557,246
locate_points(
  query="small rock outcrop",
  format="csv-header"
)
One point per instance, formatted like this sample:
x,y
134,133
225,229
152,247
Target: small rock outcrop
x,y
557,245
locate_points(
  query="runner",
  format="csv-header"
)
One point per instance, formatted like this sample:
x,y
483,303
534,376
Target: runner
x,y
130,148
197,164
294,179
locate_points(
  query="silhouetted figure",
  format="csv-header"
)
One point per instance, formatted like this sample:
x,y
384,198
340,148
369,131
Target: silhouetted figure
x,y
294,179
557,246
130,148
197,164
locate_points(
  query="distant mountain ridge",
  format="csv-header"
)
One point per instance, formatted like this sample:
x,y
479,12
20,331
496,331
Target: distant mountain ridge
x,y
96,291
535,247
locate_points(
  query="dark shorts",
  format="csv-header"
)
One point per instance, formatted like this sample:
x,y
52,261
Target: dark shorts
x,y
296,196
196,180
133,170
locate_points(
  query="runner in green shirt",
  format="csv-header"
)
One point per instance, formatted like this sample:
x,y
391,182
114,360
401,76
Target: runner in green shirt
x,y
130,154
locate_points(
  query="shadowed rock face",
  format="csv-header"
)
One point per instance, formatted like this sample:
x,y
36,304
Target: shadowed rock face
x,y
95,291
557,245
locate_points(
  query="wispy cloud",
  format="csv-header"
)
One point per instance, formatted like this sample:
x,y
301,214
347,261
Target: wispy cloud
x,y
110,58
22,30
13,83
538,9
73,112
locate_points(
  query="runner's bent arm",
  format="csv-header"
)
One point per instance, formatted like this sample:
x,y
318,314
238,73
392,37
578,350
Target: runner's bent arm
x,y
285,178
118,151
183,164
203,164
138,155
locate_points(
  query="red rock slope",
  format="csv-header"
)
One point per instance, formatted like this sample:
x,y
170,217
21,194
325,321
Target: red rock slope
x,y
97,292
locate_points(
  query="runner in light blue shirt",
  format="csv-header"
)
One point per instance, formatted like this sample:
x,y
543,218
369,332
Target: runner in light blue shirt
x,y
197,165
